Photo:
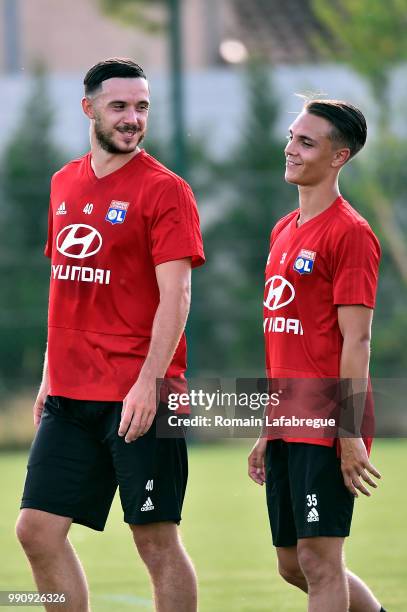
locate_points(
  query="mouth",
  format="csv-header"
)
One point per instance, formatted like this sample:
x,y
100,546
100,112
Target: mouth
x,y
127,132
289,162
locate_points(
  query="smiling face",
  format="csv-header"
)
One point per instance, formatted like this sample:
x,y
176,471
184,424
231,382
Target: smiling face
x,y
118,112
312,157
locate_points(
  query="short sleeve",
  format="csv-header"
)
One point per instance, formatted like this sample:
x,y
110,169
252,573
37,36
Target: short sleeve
x,y
48,246
175,227
355,267
272,237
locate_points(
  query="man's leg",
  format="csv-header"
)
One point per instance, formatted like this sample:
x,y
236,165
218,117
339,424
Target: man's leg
x,y
361,597
321,560
55,565
289,568
320,504
171,570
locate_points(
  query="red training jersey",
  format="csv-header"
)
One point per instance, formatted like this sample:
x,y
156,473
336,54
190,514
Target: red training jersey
x,y
328,261
105,237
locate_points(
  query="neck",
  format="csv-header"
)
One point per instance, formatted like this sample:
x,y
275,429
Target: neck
x,y
314,200
104,163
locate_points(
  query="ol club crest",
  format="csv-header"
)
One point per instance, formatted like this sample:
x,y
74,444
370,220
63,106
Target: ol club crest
x,y
304,262
117,212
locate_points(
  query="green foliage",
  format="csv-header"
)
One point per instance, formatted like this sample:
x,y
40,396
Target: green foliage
x,y
251,196
201,168
371,35
134,13
29,160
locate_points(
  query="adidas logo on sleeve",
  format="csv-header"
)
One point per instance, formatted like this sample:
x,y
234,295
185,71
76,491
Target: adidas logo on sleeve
x,y
148,505
313,516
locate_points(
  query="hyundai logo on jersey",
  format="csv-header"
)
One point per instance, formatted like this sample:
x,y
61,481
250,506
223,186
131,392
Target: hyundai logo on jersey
x,y
304,262
79,240
280,293
117,212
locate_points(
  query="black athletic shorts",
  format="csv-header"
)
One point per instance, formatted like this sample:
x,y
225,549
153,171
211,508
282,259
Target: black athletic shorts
x,y
77,460
306,494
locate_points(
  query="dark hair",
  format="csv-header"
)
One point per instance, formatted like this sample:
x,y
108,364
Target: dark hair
x,y
348,122
110,68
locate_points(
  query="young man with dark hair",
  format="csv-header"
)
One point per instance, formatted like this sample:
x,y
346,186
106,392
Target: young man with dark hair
x,y
321,279
123,236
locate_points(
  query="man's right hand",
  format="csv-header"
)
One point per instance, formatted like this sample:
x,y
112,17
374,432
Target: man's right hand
x,y
39,405
257,470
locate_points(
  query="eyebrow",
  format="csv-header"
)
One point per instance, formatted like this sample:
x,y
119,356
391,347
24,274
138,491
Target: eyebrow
x,y
112,102
303,137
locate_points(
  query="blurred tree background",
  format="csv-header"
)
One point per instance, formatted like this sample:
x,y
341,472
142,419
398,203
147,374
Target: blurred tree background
x,y
240,199
252,196
28,162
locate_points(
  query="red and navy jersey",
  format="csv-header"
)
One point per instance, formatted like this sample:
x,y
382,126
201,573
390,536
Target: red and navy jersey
x,y
105,237
312,269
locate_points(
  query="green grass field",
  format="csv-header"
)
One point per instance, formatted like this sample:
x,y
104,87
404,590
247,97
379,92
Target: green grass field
x,y
225,529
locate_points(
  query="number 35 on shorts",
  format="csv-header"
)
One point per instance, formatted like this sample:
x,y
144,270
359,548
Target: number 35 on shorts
x,y
312,500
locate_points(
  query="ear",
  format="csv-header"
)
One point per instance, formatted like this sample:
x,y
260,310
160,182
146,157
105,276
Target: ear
x,y
340,158
88,108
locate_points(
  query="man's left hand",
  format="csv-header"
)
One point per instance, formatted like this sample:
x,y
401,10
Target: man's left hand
x,y
355,466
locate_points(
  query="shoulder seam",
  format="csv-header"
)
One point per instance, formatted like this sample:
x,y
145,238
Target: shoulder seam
x,y
151,162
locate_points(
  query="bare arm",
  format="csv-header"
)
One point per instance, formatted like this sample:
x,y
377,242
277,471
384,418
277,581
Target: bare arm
x,y
355,324
139,406
256,468
42,392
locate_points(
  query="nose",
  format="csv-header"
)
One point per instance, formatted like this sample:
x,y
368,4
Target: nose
x,y
290,148
132,116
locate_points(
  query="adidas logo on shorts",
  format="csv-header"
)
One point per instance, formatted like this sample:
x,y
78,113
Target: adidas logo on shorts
x,y
148,505
313,516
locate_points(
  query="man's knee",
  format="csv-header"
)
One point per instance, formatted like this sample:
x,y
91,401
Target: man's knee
x,y
39,532
155,542
318,568
30,532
